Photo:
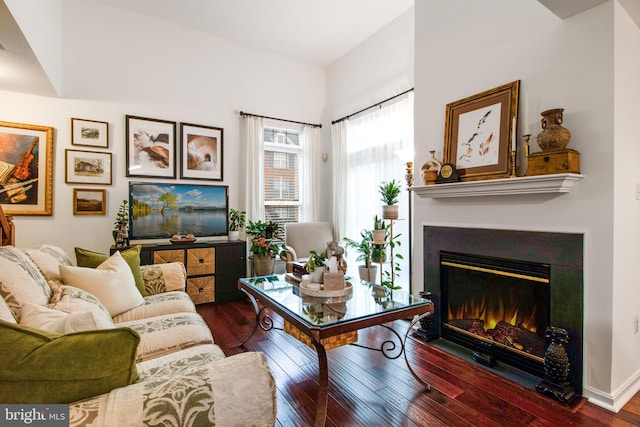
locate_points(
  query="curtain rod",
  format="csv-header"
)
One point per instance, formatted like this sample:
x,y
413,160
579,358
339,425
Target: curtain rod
x,y
371,106
243,114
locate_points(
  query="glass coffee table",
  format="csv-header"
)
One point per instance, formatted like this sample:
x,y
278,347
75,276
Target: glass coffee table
x,y
325,322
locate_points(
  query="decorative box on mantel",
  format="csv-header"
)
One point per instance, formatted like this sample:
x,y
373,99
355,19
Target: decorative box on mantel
x,y
552,162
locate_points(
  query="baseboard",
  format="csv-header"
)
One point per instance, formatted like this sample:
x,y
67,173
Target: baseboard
x,y
614,401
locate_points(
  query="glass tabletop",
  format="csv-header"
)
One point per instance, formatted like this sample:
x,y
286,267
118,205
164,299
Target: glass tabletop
x,y
362,302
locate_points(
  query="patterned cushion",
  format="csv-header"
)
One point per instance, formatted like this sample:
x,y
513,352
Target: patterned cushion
x,y
158,305
74,300
165,277
196,386
169,333
21,280
48,260
5,311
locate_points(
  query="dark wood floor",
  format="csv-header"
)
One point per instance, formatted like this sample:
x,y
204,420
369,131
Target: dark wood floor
x,y
367,389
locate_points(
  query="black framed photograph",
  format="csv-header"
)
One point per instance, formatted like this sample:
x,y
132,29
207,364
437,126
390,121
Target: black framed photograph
x,y
87,167
479,133
26,169
201,152
151,147
89,201
89,133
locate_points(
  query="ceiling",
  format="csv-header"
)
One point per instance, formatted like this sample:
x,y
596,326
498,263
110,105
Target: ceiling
x,y
314,32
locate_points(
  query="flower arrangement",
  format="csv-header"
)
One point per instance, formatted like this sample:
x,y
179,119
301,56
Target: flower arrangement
x,y
265,247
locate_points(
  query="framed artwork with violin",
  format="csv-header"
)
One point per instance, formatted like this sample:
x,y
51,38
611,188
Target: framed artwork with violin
x,y
87,167
26,169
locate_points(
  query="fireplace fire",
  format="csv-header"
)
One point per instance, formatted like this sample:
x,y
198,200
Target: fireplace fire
x,y
498,307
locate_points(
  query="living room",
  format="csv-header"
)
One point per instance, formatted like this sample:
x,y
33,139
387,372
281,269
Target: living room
x,y
584,63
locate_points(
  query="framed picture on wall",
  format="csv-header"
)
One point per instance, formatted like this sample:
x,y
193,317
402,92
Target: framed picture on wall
x,y
87,167
90,133
201,152
151,147
89,201
479,133
26,169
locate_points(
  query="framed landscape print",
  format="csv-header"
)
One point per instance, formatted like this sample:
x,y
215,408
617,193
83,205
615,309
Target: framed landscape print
x,y
479,133
89,201
87,167
26,169
90,133
201,152
151,147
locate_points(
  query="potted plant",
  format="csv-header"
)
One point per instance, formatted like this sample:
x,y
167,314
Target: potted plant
x,y
366,270
379,234
263,248
236,223
389,192
315,266
121,225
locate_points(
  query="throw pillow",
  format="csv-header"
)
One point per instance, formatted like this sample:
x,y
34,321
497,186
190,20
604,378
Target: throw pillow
x,y
86,258
42,367
111,282
21,280
60,322
5,311
73,300
48,259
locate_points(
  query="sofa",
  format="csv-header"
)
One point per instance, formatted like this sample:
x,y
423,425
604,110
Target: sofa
x,y
121,343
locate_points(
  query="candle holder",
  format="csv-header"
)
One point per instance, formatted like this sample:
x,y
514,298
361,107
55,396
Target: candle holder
x,y
513,164
526,152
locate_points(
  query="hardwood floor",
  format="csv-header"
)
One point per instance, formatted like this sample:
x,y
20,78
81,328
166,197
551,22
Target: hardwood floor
x,y
367,389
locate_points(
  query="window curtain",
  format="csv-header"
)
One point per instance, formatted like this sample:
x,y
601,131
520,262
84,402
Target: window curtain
x,y
374,141
254,167
309,174
339,148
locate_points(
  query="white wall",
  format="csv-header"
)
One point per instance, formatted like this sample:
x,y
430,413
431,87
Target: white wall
x,y
626,293
464,47
116,62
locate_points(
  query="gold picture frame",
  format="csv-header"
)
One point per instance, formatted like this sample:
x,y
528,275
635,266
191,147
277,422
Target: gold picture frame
x,y
26,169
480,133
89,201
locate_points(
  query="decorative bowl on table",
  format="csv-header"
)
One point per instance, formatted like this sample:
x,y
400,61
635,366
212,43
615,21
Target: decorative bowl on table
x,y
178,239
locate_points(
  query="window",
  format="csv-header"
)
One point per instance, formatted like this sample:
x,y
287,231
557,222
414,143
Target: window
x,y
283,155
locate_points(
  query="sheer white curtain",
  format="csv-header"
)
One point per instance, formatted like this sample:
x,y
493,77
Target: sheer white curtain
x,y
339,149
254,167
373,141
309,174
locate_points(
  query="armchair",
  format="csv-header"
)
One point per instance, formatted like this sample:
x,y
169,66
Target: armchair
x,y
303,237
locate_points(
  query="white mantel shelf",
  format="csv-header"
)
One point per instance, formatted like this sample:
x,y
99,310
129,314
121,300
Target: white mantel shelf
x,y
556,183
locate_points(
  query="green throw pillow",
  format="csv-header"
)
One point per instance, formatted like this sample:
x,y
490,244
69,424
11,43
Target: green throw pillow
x,y
87,258
41,367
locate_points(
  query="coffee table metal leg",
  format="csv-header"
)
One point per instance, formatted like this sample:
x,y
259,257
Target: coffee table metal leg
x,y
427,386
262,319
323,385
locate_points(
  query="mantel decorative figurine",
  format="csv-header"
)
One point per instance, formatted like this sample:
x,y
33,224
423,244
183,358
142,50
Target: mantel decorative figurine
x,y
553,136
553,140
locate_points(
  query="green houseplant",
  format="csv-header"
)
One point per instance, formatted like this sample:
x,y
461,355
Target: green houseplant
x,y
263,248
237,220
121,225
315,266
366,270
389,192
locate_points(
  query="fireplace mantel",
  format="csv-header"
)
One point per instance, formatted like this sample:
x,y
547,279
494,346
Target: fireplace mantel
x,y
556,183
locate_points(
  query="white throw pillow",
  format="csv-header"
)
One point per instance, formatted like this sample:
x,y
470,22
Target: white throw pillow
x,y
111,282
48,319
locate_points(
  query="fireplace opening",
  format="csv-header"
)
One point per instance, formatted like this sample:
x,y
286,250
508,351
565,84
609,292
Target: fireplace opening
x,y
499,308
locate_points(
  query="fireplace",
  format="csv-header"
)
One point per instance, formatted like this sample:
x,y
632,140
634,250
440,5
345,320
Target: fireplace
x,y
496,292
497,307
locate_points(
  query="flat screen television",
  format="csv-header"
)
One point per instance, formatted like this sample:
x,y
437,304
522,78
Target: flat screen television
x,y
159,211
